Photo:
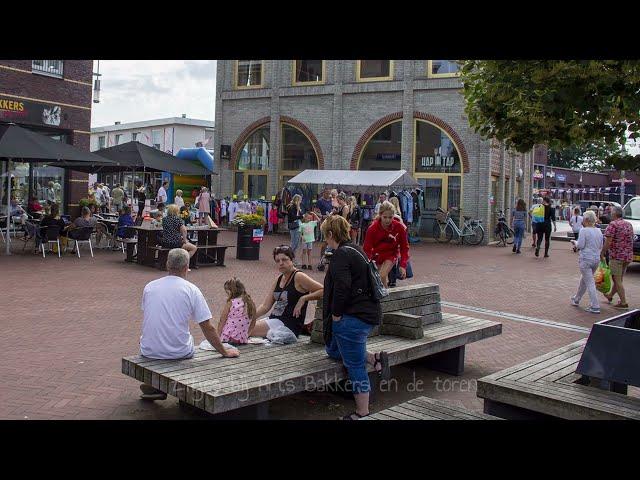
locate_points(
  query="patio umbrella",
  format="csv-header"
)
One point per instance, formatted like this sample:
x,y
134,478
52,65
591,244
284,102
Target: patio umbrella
x,y
18,143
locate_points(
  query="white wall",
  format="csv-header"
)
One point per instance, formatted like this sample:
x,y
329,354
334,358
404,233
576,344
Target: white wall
x,y
173,137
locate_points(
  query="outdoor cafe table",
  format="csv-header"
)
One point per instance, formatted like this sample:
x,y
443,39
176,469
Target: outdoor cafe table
x,y
148,239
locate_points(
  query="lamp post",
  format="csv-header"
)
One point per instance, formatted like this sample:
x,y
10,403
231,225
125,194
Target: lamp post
x,y
96,85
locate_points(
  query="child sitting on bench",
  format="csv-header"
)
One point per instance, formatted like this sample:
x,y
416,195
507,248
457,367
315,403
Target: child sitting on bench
x,y
239,314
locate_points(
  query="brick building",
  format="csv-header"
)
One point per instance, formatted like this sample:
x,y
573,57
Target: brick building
x,y
53,98
275,118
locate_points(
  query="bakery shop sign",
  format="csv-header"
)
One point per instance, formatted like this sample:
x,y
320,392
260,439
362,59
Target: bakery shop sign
x,y
22,111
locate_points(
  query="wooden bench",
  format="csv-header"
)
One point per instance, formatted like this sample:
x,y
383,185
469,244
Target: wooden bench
x,y
215,384
198,260
425,408
546,387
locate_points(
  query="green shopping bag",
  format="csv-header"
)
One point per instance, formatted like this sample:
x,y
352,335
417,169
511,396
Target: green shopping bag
x,y
602,277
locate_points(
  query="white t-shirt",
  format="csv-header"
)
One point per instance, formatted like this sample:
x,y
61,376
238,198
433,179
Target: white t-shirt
x,y
576,223
162,195
168,304
178,201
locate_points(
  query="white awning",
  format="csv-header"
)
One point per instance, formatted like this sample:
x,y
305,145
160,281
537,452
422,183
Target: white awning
x,y
357,178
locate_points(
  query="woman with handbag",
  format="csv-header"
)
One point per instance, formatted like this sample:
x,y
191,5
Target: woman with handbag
x,y
350,312
294,215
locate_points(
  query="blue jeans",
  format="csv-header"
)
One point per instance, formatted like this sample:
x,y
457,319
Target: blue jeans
x,y
349,344
518,229
295,239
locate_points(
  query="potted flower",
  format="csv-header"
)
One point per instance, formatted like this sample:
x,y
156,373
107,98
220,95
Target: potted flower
x,y
250,234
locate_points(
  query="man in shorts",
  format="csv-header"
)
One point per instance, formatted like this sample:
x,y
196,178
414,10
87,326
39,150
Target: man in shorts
x,y
619,243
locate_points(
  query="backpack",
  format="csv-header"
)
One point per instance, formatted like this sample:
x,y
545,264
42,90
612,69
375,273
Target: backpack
x,y
537,214
377,289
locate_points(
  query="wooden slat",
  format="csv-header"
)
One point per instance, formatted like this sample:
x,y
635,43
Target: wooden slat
x,y
570,362
446,407
546,366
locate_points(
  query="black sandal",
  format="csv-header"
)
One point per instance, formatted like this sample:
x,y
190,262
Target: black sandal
x,y
382,358
352,415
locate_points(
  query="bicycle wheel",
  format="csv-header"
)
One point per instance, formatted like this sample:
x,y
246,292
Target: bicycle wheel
x,y
448,232
502,237
477,236
511,235
438,233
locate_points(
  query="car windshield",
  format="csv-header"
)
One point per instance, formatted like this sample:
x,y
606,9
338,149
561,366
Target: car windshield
x,y
632,210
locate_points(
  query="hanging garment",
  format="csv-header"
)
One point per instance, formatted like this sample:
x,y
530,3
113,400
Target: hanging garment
x,y
232,210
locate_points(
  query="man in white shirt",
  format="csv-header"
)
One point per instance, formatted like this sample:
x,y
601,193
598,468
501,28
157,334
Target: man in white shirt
x,y
162,193
169,303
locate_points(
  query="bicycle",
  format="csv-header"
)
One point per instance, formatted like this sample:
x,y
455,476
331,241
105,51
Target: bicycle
x,y
503,231
445,228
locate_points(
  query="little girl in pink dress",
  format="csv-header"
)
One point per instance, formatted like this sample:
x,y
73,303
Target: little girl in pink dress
x,y
239,314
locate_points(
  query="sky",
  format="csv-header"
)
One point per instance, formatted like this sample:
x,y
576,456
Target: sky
x,y
137,90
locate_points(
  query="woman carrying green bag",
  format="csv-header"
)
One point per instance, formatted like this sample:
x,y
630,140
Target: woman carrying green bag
x,y
589,245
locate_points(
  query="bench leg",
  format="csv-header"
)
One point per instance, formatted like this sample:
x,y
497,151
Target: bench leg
x,y
259,411
220,257
511,412
449,361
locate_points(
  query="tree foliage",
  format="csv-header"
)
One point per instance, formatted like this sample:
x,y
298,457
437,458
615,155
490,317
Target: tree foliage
x,y
590,157
555,102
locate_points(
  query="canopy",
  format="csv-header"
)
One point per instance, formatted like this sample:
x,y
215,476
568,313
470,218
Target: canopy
x,y
20,144
357,178
135,155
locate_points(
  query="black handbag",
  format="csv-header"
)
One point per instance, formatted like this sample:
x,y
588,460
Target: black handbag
x,y
377,288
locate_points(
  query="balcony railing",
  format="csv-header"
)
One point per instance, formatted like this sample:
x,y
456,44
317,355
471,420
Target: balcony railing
x,y
53,68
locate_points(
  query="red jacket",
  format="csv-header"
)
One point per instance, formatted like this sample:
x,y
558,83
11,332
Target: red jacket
x,y
381,245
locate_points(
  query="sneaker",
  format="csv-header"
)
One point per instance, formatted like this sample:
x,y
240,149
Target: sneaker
x,y
518,251
514,249
592,310
546,255
623,306
537,252
574,302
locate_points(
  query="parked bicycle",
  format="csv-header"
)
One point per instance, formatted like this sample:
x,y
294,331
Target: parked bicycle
x,y
503,231
445,228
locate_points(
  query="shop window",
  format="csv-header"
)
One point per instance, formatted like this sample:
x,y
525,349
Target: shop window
x,y
156,138
252,166
297,151
443,68
249,73
435,152
53,68
383,151
374,70
308,71
118,136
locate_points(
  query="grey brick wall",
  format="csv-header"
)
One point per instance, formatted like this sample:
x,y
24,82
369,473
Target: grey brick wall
x,y
340,111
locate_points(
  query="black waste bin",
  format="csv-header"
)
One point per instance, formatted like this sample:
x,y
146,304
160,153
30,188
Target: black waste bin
x,y
247,249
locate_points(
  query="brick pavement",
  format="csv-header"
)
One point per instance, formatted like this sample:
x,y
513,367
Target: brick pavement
x,y
68,322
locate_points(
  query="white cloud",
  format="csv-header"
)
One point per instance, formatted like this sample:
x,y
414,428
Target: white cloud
x,y
137,90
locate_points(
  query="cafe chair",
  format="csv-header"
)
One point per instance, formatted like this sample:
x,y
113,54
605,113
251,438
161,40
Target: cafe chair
x,y
81,235
129,237
50,234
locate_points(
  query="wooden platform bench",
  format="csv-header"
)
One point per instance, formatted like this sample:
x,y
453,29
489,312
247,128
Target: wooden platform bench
x,y
425,408
548,387
216,385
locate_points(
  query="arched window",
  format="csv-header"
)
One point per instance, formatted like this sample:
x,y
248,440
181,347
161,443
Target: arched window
x,y
384,149
296,154
252,165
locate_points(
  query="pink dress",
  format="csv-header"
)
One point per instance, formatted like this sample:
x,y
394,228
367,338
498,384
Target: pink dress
x,y
236,329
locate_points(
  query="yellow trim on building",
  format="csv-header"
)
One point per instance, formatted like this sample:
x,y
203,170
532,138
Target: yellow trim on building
x,y
82,131
374,79
235,78
6,67
298,84
45,101
439,75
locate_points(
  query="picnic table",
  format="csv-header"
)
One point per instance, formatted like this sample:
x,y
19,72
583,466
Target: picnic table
x,y
151,253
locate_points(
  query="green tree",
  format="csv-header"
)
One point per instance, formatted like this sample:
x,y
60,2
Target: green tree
x,y
589,157
555,102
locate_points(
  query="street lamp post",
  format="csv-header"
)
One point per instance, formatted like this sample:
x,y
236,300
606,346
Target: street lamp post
x,y
96,85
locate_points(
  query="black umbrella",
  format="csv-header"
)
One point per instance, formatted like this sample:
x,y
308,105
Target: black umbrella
x,y
18,143
135,155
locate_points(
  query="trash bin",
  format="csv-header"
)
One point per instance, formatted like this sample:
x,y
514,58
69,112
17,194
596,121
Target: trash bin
x,y
246,248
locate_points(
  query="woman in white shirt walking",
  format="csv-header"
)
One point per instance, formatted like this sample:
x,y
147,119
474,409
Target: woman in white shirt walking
x,y
178,200
590,245
576,222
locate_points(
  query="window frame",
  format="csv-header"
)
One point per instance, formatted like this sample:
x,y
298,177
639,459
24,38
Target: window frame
x,y
296,83
40,70
364,147
102,141
455,144
250,87
359,79
280,160
439,75
134,136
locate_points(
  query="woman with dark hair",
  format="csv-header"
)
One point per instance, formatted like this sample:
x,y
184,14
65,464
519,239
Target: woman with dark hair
x,y
294,216
518,222
288,296
544,228
350,313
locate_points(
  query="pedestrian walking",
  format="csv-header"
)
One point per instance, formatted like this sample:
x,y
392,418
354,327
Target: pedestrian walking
x,y
294,215
544,227
619,244
534,220
576,222
589,244
518,222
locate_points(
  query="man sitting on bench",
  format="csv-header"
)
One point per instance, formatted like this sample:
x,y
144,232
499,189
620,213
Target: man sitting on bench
x,y
168,304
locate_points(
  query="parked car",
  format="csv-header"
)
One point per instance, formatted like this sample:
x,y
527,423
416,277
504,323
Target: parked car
x,y
585,204
631,213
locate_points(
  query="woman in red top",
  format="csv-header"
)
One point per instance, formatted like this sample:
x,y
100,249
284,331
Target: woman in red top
x,y
386,239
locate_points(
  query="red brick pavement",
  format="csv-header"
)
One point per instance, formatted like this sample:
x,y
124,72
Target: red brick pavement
x,y
68,322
